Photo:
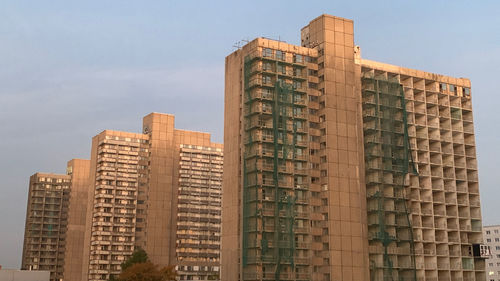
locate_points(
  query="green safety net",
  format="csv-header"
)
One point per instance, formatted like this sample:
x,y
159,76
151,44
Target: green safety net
x,y
280,235
388,160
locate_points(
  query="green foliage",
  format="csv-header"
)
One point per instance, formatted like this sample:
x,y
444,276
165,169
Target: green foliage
x,y
147,271
138,256
138,268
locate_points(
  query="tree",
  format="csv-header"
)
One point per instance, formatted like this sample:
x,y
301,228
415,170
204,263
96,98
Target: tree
x,y
138,256
147,271
138,268
169,273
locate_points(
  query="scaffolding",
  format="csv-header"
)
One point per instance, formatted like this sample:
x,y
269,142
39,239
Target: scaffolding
x,y
269,184
388,160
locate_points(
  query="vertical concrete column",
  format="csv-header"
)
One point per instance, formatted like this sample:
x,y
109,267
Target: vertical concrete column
x,y
231,180
79,170
162,198
342,175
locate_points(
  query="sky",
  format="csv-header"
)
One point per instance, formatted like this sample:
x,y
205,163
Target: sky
x,y
70,69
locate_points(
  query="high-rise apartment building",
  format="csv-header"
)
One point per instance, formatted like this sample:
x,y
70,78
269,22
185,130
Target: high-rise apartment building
x,y
199,212
55,222
340,168
145,187
431,209
115,213
492,239
46,224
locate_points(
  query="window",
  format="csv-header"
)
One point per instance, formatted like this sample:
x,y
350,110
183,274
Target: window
x,y
298,98
297,72
313,99
497,247
266,79
497,239
266,52
443,87
496,231
281,69
488,232
466,91
452,88
297,111
280,55
267,93
311,59
488,240
267,66
298,58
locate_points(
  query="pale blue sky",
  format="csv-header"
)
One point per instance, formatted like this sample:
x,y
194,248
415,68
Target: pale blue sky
x,y
70,69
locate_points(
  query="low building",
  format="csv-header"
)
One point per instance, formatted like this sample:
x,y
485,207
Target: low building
x,y
24,275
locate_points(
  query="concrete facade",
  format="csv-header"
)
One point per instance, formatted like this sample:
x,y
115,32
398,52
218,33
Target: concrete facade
x,y
55,223
114,211
159,190
135,180
340,168
444,206
199,213
79,171
46,224
491,235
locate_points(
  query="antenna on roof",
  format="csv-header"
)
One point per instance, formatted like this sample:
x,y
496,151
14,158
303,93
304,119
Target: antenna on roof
x,y
279,39
240,43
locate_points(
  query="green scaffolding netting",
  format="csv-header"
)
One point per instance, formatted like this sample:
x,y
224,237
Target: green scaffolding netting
x,y
268,204
388,160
